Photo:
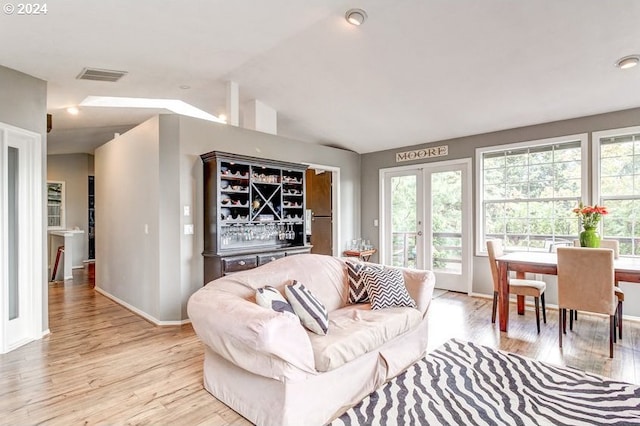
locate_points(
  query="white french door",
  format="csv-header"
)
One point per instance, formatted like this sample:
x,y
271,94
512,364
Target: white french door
x,y
426,213
21,239
402,244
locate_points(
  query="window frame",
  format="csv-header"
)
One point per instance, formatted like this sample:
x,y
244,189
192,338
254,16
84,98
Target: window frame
x,y
583,138
596,164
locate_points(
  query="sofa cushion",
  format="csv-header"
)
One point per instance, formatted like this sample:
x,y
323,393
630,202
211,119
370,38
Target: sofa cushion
x,y
270,298
357,290
356,330
312,313
386,288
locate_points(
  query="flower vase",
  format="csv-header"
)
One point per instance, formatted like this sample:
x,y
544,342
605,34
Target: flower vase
x,y
590,238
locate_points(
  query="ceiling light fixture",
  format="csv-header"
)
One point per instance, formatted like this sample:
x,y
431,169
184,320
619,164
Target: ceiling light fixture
x,y
73,110
355,16
628,62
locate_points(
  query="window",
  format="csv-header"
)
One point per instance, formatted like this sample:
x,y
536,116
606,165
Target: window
x,y
617,185
527,192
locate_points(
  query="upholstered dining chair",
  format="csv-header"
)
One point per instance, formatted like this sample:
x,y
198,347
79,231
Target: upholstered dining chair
x,y
586,283
615,246
517,286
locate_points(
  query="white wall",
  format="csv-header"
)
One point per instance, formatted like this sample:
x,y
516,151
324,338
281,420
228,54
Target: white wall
x,y
74,170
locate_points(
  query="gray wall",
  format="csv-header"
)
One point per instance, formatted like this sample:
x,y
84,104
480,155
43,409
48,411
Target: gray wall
x,y
465,148
127,193
147,176
23,103
198,137
74,170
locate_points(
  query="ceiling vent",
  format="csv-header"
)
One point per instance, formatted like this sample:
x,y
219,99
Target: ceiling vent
x,y
101,75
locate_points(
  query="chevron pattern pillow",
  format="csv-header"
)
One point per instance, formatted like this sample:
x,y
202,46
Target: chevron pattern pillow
x,y
357,290
310,310
386,288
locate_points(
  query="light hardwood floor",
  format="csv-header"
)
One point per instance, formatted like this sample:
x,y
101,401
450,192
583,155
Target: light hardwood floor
x,y
102,364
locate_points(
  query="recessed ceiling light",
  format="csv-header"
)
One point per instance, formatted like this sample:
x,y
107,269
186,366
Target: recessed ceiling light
x,y
73,110
628,62
185,87
355,16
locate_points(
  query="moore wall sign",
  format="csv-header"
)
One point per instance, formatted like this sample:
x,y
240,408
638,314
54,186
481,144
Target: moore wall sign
x,y
418,154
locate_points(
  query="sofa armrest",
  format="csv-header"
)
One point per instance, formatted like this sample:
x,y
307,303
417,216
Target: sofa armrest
x,y
420,285
257,339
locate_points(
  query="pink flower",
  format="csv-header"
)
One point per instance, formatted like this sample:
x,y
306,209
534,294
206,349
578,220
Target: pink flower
x,y
590,215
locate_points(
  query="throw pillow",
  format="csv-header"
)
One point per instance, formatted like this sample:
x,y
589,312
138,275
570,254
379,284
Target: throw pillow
x,y
269,297
386,288
357,290
311,312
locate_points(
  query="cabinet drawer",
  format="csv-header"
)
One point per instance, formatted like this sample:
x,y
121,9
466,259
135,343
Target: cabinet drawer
x,y
235,264
269,257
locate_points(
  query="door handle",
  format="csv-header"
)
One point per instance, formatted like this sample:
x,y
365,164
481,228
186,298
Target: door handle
x,y
419,233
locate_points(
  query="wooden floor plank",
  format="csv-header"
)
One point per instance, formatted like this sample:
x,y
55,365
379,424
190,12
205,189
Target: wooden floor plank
x,y
102,364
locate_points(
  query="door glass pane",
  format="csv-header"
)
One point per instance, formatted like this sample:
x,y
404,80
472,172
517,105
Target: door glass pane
x,y
446,212
55,207
12,180
404,220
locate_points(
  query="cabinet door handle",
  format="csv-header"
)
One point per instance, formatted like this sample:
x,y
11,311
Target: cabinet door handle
x,y
242,263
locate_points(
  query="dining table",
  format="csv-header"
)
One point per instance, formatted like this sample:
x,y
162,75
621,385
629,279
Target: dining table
x,y
627,269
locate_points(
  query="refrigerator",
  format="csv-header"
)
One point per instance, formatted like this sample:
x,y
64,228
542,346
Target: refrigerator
x,y
319,211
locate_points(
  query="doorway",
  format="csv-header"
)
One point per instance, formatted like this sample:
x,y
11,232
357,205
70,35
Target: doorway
x,y
426,219
322,191
21,239
320,211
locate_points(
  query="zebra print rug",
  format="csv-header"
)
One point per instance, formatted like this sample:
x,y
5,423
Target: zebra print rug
x,y
467,384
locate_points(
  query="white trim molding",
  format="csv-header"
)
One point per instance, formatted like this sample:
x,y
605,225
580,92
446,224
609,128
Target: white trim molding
x,y
27,325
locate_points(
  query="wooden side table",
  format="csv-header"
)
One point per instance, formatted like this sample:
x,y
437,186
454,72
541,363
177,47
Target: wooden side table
x,y
363,255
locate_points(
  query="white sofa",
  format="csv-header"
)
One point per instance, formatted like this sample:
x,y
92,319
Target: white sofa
x,y
270,369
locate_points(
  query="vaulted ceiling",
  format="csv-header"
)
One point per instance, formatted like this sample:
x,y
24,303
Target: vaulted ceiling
x,y
416,71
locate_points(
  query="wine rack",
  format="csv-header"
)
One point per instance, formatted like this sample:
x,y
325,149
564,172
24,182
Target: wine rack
x,y
252,207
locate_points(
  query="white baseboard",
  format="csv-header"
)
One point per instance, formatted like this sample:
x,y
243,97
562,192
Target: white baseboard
x,y
140,313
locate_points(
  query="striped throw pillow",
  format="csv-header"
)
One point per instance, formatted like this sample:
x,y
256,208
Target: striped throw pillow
x,y
269,297
386,288
357,290
311,312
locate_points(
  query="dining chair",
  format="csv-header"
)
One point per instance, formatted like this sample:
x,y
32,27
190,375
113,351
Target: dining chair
x,y
586,281
519,287
615,246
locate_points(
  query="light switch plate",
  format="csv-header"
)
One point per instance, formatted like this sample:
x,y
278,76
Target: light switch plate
x,y
188,229
187,210
375,222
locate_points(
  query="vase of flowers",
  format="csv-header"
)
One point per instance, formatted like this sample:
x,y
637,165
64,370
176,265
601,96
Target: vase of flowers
x,y
590,217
